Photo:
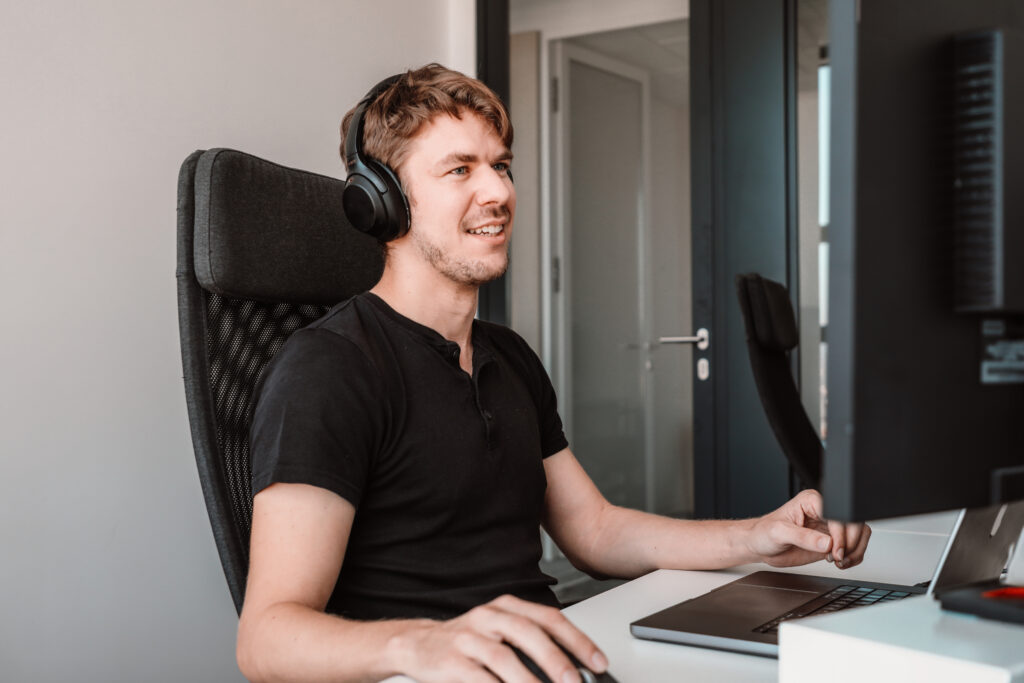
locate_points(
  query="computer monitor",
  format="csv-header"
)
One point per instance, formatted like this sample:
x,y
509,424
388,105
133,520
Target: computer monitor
x,y
926,399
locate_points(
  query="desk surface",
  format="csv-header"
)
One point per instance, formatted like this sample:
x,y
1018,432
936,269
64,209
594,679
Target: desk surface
x,y
900,551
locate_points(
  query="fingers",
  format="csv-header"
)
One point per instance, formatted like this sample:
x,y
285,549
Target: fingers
x,y
800,524
496,656
788,545
476,647
811,540
548,623
837,531
811,503
857,536
533,641
849,542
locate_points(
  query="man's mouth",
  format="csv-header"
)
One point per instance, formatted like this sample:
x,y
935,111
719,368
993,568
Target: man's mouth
x,y
487,230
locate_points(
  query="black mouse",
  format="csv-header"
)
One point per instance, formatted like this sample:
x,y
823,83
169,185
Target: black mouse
x,y
586,674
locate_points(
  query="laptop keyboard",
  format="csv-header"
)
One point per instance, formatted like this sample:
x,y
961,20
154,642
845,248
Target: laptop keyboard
x,y
839,598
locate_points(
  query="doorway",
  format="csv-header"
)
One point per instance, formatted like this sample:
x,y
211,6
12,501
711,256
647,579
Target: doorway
x,y
618,252
734,208
620,243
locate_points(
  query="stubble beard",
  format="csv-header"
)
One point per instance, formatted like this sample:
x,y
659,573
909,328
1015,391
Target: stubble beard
x,y
471,273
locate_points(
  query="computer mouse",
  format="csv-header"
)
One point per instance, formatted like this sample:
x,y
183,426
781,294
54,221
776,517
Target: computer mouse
x,y
586,674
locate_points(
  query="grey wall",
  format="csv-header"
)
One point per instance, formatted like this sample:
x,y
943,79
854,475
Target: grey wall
x,y
108,570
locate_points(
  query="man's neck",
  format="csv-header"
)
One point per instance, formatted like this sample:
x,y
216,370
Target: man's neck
x,y
430,299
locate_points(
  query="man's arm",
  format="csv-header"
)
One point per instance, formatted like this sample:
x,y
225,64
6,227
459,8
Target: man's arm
x,y
298,542
607,540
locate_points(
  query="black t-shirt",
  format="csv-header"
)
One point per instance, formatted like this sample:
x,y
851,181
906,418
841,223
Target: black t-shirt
x,y
445,470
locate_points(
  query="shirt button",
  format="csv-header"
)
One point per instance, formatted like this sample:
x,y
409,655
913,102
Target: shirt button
x,y
488,416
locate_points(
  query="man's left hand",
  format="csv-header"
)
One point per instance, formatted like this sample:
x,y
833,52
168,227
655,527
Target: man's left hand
x,y
797,533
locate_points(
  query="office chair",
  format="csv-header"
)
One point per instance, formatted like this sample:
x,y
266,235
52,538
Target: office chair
x,y
771,334
263,250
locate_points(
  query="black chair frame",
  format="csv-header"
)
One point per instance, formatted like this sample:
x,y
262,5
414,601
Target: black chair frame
x,y
263,250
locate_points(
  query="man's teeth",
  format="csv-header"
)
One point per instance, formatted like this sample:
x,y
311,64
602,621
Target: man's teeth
x,y
487,230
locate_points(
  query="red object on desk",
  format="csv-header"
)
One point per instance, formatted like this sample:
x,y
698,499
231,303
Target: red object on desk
x,y
1011,592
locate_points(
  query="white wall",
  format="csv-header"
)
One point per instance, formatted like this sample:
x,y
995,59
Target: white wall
x,y
108,569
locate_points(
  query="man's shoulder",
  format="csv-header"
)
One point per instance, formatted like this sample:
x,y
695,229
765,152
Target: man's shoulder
x,y
499,334
333,353
506,341
342,334
346,319
353,322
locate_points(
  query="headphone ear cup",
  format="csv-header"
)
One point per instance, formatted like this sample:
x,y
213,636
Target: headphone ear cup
x,y
374,202
396,205
372,199
362,204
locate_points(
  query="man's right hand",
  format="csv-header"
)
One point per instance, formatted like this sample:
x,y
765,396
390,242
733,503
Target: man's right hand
x,y
474,647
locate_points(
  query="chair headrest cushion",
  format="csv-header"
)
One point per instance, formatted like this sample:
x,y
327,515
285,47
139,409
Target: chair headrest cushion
x,y
774,323
270,233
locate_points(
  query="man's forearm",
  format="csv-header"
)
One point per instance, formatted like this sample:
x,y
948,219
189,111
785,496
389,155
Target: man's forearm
x,y
628,543
293,642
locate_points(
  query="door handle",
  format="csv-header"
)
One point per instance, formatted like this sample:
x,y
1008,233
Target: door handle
x,y
702,339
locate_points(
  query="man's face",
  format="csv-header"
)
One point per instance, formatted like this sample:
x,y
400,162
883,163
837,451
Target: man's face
x,y
461,198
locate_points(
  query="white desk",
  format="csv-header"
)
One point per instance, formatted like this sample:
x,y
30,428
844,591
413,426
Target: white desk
x,y
901,551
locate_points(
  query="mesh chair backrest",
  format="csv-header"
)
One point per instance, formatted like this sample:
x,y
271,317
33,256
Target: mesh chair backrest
x,y
241,338
263,250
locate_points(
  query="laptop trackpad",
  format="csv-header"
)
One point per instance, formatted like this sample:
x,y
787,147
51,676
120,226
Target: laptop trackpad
x,y
755,604
735,609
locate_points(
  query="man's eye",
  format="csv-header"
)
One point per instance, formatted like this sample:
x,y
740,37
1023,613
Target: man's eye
x,y
461,170
501,167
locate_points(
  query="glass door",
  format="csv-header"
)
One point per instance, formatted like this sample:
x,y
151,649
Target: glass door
x,y
621,243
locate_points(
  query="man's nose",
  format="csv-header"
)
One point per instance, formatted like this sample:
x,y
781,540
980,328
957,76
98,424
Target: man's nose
x,y
495,186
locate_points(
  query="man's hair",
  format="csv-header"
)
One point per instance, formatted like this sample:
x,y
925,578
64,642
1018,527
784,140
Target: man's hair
x,y
416,98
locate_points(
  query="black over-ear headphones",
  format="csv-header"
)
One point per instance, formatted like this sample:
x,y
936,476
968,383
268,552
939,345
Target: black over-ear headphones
x,y
373,199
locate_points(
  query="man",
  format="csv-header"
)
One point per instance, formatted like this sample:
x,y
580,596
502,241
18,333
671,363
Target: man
x,y
404,453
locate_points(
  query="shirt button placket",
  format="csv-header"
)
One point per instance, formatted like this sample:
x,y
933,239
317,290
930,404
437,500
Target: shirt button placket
x,y
488,428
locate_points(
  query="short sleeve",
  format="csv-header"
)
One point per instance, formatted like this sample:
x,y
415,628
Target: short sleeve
x,y
319,417
552,434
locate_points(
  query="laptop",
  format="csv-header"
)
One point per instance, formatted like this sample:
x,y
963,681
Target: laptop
x,y
744,615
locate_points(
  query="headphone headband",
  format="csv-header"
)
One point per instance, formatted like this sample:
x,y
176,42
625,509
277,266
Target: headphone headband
x,y
354,138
